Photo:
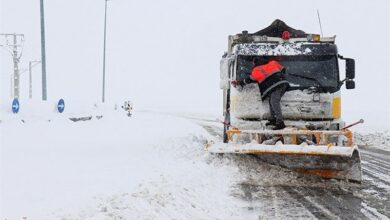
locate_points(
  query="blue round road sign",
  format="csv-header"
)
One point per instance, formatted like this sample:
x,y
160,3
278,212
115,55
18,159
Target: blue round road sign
x,y
61,106
15,106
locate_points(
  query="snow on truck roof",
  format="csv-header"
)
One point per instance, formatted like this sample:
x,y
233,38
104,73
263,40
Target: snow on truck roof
x,y
271,49
276,39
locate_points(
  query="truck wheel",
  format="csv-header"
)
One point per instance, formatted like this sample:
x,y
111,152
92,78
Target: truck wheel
x,y
226,128
225,137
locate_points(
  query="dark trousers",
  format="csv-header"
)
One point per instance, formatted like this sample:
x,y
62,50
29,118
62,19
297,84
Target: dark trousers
x,y
274,103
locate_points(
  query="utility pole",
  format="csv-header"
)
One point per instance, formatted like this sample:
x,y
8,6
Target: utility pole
x,y
16,68
31,64
14,51
12,86
104,52
43,54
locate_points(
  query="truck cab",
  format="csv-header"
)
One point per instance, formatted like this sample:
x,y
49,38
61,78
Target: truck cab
x,y
313,99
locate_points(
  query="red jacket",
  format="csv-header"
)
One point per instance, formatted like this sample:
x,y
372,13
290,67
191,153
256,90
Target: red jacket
x,y
260,73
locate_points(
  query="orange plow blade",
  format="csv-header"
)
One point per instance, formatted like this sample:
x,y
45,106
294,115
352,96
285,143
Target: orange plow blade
x,y
321,159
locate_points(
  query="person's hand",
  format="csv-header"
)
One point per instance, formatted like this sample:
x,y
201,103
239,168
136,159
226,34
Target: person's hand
x,y
236,83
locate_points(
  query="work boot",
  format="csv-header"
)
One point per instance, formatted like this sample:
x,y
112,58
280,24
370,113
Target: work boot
x,y
270,122
279,125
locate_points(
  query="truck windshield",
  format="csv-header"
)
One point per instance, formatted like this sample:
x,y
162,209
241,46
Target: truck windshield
x,y
302,71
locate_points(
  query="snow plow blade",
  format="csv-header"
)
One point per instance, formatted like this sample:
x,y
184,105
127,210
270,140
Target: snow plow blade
x,y
328,161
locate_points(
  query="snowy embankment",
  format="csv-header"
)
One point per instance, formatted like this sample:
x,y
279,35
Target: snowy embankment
x,y
380,140
34,110
147,166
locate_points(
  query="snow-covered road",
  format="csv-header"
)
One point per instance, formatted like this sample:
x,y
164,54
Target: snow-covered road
x,y
271,195
153,166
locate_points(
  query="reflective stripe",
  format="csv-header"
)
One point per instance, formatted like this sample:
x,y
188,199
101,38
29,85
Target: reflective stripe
x,y
271,87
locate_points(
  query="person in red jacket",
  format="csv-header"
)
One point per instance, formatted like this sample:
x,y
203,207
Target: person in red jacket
x,y
272,84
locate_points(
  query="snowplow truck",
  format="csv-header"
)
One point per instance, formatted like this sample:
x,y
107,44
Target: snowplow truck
x,y
315,140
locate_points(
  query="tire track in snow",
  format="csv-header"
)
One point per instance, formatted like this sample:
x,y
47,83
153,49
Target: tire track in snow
x,y
379,163
375,195
317,211
270,202
339,202
274,203
377,178
381,156
376,168
376,192
372,213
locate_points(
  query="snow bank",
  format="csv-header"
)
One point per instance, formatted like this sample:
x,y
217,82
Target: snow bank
x,y
34,110
379,140
147,166
29,109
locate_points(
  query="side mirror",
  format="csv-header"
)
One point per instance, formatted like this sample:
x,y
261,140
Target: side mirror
x,y
350,84
224,73
226,64
350,68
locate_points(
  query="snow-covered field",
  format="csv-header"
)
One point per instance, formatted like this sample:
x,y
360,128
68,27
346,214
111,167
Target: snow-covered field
x,y
153,166
147,166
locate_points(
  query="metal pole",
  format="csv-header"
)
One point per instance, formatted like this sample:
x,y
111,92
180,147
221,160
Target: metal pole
x,y
104,52
31,65
16,68
13,50
43,54
319,20
12,86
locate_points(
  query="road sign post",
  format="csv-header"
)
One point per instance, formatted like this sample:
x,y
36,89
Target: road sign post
x,y
61,106
15,106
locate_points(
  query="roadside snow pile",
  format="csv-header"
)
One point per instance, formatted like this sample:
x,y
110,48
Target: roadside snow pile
x,y
28,109
149,166
174,190
379,140
36,110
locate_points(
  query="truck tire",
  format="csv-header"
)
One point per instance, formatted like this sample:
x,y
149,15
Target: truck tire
x,y
225,137
226,124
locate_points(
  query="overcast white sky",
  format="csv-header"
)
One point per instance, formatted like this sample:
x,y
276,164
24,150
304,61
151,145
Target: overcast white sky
x,y
165,54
